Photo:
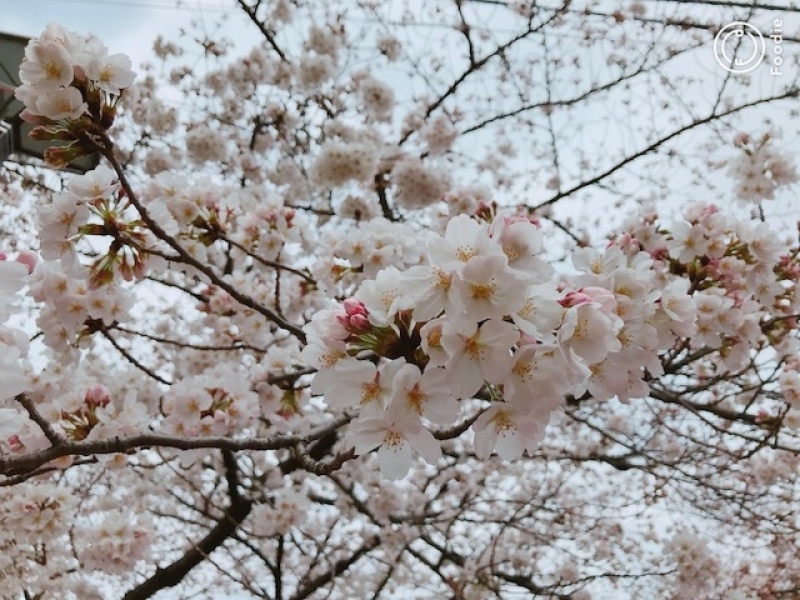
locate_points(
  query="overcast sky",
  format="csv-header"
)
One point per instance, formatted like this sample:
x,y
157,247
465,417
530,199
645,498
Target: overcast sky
x,y
127,26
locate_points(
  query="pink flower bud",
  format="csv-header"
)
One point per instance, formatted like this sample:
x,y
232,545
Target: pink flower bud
x,y
604,297
29,259
741,139
352,306
575,298
626,242
359,324
97,395
483,206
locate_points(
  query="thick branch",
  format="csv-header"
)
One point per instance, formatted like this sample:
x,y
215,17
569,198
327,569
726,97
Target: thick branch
x,y
235,514
15,465
47,428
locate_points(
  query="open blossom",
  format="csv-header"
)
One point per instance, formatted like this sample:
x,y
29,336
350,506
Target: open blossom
x,y
477,354
361,383
521,241
507,430
540,313
464,239
47,66
425,394
679,306
538,377
381,296
427,291
486,289
61,104
111,74
396,434
589,332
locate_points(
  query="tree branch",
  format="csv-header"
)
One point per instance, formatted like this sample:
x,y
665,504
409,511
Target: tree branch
x,y
235,514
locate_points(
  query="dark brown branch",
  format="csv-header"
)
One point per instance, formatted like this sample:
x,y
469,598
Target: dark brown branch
x,y
458,429
16,465
235,514
324,467
268,35
45,425
265,262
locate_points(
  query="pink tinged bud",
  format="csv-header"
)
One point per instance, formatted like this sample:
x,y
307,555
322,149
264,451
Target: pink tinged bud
x,y
624,241
660,254
29,259
15,443
359,324
740,139
3,256
604,297
352,306
575,298
140,269
482,206
98,395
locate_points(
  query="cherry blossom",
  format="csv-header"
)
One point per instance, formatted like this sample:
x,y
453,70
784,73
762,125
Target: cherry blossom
x,y
223,349
395,434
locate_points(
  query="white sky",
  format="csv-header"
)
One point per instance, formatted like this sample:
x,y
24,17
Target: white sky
x,y
127,26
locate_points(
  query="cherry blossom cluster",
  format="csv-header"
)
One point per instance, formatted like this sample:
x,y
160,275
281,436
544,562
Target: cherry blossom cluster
x,y
14,275
33,518
93,205
742,270
287,507
486,316
216,403
759,169
115,541
697,567
71,86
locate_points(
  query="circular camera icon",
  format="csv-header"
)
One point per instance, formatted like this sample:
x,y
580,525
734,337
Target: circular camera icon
x,y
739,47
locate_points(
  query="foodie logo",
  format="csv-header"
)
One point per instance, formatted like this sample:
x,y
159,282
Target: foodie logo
x,y
739,47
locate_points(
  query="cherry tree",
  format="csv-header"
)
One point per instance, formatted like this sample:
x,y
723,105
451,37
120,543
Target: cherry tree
x,y
456,300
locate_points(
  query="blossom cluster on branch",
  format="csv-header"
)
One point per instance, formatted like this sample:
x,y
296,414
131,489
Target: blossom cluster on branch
x,y
281,333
